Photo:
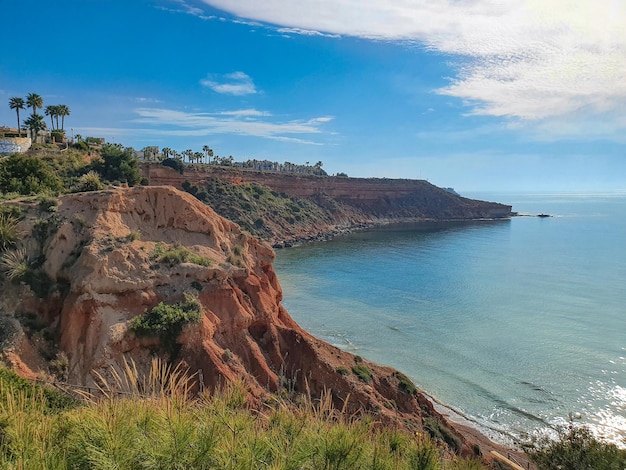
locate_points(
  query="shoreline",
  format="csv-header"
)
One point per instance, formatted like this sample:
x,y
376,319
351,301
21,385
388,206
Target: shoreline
x,y
330,234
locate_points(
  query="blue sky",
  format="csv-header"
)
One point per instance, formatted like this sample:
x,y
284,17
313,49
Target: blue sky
x,y
513,95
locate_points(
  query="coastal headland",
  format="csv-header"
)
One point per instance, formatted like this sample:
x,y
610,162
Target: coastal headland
x,y
320,206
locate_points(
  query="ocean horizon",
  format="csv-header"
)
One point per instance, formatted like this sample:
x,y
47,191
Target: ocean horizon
x,y
516,324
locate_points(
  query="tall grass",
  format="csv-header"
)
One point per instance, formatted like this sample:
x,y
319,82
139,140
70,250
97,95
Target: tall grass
x,y
153,422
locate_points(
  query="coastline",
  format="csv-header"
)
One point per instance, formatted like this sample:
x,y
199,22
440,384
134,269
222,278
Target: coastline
x,y
488,439
335,231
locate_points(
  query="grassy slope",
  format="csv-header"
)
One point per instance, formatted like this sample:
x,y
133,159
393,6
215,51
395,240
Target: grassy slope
x,y
218,431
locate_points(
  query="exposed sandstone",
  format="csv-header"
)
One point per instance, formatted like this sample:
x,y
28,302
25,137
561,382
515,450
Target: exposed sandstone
x,y
100,254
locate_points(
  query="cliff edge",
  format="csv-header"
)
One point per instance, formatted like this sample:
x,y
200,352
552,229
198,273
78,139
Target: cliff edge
x,y
283,208
102,263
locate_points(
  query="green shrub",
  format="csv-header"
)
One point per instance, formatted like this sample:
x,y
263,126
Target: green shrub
x,y
177,254
405,384
28,175
89,182
441,432
575,448
175,163
53,400
362,372
58,135
15,264
81,145
9,231
166,322
59,366
341,370
117,164
47,203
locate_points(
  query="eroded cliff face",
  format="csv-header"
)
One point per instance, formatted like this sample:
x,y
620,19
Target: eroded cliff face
x,y
336,203
101,254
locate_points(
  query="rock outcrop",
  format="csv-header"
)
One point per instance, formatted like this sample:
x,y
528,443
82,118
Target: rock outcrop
x,y
100,256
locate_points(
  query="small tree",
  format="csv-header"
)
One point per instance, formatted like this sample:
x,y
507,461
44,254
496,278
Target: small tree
x,y
17,103
118,164
576,448
36,124
26,175
166,322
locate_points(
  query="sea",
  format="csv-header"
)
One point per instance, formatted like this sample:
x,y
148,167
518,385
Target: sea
x,y
517,326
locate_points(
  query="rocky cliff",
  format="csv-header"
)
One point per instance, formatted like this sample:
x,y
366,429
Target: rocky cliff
x,y
329,204
101,264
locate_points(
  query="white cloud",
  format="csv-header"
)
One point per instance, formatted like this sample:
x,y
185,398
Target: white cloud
x,y
530,60
236,83
239,122
305,32
245,113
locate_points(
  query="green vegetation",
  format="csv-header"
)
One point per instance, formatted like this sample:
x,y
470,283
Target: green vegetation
x,y
172,430
117,164
26,175
15,264
90,181
177,254
405,384
440,432
166,322
362,372
174,163
10,232
576,448
44,400
257,208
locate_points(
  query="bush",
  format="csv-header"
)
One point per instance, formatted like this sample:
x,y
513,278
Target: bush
x,y
405,384
175,163
58,135
166,322
117,164
575,448
81,145
441,432
9,231
53,400
28,175
15,264
178,254
89,182
362,372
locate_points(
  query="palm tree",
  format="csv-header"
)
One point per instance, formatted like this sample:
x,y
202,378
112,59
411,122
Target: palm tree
x,y
64,110
189,154
33,100
17,103
197,156
166,152
208,152
52,111
35,123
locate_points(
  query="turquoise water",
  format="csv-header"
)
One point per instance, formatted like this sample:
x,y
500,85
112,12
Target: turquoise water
x,y
514,324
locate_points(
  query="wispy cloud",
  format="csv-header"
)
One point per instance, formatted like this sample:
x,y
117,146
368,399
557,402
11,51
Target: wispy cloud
x,y
239,122
236,83
181,6
305,32
527,60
